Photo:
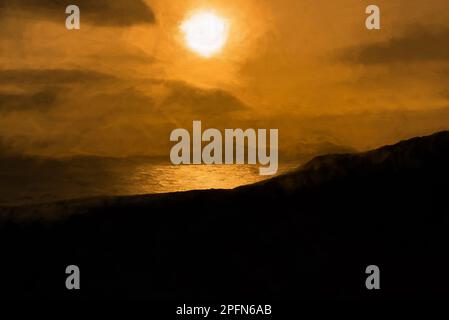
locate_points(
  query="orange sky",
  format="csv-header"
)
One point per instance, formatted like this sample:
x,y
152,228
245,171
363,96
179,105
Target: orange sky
x,y
118,86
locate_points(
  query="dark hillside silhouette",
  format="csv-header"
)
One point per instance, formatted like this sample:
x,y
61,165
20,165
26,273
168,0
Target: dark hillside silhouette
x,y
308,234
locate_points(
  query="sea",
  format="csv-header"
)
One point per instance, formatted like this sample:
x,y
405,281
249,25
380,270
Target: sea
x,y
29,181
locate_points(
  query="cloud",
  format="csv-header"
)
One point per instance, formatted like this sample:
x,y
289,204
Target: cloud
x,y
119,13
179,97
202,102
42,100
62,112
418,44
43,77
40,90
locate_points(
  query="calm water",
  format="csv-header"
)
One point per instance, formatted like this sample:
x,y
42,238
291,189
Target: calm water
x,y
30,181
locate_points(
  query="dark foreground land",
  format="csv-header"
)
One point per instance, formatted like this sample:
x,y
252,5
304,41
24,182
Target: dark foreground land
x,y
308,234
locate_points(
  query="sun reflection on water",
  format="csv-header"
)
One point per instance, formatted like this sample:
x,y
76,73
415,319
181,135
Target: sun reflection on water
x,y
159,179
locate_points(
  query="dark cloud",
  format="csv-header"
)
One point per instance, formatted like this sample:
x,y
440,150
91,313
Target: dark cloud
x,y
418,44
115,57
127,103
51,77
98,12
41,90
35,101
445,94
182,98
185,98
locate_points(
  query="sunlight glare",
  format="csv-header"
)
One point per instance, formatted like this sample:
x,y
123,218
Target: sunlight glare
x,y
205,33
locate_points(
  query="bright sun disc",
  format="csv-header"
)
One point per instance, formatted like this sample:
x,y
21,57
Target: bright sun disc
x,y
205,33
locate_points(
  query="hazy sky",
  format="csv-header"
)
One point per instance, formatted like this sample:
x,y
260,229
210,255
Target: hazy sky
x,y
119,85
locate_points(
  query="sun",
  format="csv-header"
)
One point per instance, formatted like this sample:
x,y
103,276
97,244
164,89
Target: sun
x,y
205,33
